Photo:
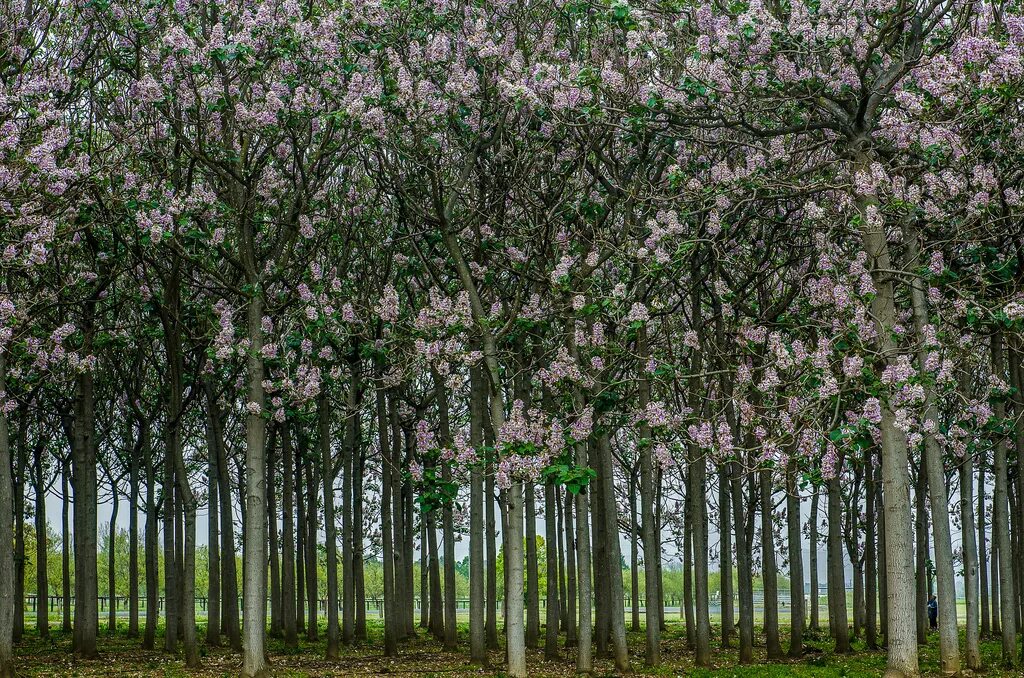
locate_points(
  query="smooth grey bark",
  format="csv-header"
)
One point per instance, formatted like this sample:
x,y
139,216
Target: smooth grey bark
x,y
532,570
899,569
836,579
330,528
403,559
477,639
883,580
584,636
213,623
994,578
1001,522
769,569
436,611
228,575
300,540
273,535
111,560
65,538
513,544
151,541
794,545
870,558
686,604
358,575
348,587
133,541
42,547
634,551
949,650
986,628
386,533
972,646
288,587
491,543
254,589
312,568
697,496
571,638
921,556
813,557
725,554
551,609
743,567
18,489
652,545
617,626
448,536
7,601
83,461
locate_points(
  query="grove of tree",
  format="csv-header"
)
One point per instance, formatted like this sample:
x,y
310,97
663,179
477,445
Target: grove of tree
x,y
539,304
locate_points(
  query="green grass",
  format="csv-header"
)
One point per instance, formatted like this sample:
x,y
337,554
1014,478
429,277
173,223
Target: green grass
x,y
423,656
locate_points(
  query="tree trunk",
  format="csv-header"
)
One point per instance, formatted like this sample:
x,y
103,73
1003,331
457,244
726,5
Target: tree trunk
x,y
769,570
448,535
288,588
986,628
725,555
794,544
532,570
312,567
836,577
870,558
571,638
300,538
899,569
358,577
513,545
697,496
386,534
7,601
634,554
348,616
490,541
972,647
477,623
744,568
331,542
111,562
228,575
813,557
42,546
273,536
83,461
151,545
213,623
254,590
921,553
18,487
65,541
133,542
686,604
949,651
424,576
551,564
584,637
605,475
1001,522
436,617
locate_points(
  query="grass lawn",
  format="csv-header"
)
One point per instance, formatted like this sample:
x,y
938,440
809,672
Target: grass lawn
x,y
423,657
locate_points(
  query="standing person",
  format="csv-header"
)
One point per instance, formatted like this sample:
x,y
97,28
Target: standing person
x,y
933,612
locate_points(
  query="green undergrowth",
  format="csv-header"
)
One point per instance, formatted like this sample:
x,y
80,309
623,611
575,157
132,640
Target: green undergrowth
x,y
424,657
